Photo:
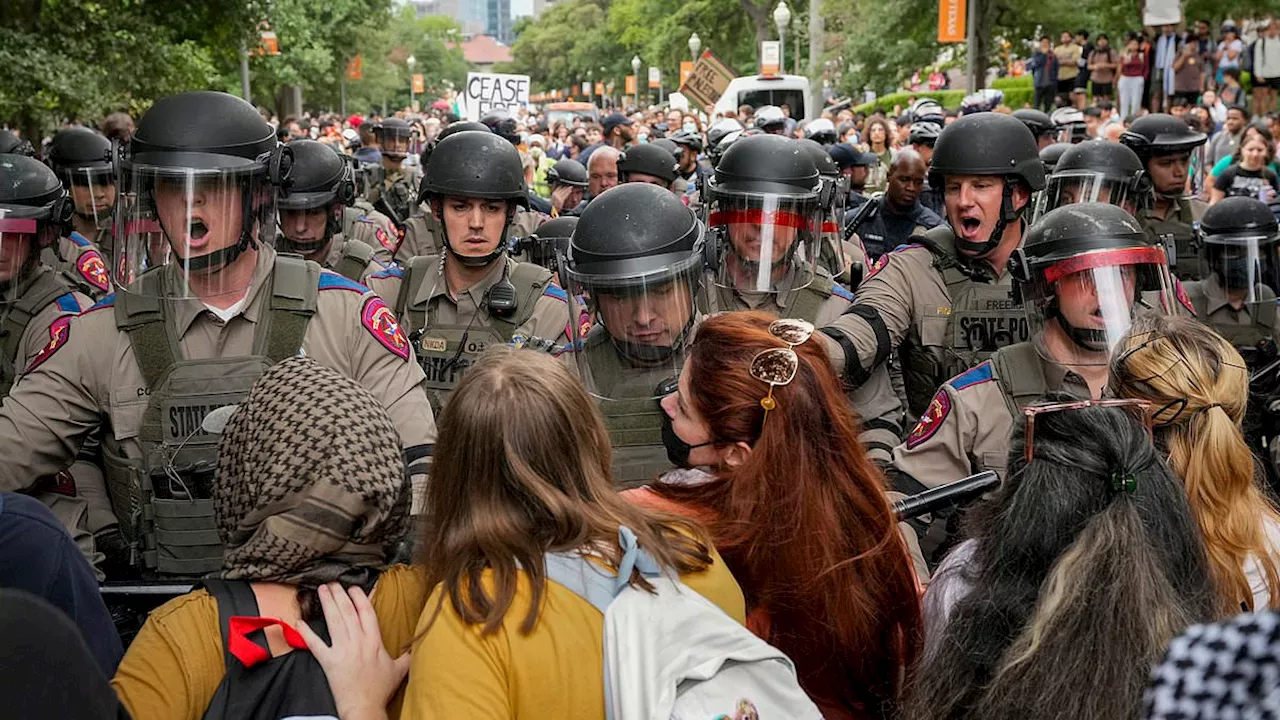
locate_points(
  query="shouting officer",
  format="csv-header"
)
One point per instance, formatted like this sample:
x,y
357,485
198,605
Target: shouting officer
x,y
320,188
1083,275
205,305
36,307
635,266
472,295
82,160
1164,144
765,208
945,302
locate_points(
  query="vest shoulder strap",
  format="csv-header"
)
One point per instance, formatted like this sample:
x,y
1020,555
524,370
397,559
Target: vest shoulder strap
x,y
1020,372
295,283
356,256
141,314
810,298
44,289
415,274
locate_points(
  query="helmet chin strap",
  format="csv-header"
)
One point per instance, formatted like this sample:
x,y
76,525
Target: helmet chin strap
x,y
318,246
483,260
1087,339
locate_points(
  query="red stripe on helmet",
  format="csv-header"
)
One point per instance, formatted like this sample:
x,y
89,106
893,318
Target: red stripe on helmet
x,y
755,216
1104,258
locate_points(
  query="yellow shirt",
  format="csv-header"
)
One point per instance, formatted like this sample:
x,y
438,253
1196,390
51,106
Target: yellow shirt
x,y
555,671
175,664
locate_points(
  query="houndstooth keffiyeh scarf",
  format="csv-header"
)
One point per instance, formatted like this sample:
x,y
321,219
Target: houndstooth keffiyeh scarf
x,y
311,486
1220,671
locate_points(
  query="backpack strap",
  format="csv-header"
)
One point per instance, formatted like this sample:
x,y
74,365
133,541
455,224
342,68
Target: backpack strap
x,y
356,256
294,287
599,585
235,599
1020,372
142,316
530,282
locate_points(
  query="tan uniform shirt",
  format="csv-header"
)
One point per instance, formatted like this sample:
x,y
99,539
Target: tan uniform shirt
x,y
95,375
420,238
373,229
1175,233
80,260
337,248
1219,314
968,427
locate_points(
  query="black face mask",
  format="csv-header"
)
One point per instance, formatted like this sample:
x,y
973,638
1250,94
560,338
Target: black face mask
x,y
677,449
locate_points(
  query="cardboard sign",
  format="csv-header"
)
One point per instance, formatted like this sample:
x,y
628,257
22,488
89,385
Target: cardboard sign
x,y
951,21
770,57
1162,12
708,80
493,91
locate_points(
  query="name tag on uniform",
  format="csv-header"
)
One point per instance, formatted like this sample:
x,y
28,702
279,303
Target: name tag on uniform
x,y
430,344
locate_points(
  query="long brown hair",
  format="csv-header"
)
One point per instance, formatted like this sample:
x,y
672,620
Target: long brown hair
x,y
804,523
522,468
1200,385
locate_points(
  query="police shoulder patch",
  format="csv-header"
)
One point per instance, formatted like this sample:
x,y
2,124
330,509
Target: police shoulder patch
x,y
554,291
1181,293
387,272
877,266
841,291
59,333
107,302
938,410
93,269
975,376
378,319
384,239
68,303
330,280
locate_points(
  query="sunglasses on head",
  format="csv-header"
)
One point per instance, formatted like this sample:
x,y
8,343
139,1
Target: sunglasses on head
x,y
1140,409
778,366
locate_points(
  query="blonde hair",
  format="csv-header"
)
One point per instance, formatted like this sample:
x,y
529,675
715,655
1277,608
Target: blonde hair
x,y
1199,386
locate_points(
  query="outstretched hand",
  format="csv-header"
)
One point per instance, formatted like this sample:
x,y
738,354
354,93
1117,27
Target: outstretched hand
x,y
362,674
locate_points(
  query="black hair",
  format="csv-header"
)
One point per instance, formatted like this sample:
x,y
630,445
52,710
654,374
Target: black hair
x,y
1084,564
1045,37
1093,112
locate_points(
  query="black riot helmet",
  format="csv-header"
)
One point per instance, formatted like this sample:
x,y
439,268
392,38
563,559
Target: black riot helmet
x,y
1089,266
549,242
82,159
32,199
1160,134
11,144
450,129
649,160
637,255
501,123
1038,123
320,179
988,144
1098,171
567,172
765,206
475,165
198,185
670,146
393,136
687,138
1239,241
1050,155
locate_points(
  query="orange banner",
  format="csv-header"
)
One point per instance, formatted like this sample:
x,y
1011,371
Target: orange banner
x,y
419,85
951,21
686,69
631,85
355,68
600,88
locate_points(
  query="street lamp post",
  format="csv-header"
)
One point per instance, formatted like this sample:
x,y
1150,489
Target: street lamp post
x,y
635,69
411,61
591,83
781,19
695,44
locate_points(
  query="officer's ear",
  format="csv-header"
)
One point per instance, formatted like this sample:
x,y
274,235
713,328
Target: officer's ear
x,y
1021,196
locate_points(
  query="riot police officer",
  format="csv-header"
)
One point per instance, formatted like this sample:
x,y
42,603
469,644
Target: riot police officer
x,y
360,219
944,301
568,182
1040,125
1097,171
821,131
320,188
1164,144
36,307
501,123
394,195
472,295
650,164
421,232
205,304
82,160
1083,275
634,268
765,207
550,241
1050,154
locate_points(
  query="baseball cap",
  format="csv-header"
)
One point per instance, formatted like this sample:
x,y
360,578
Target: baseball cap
x,y
612,121
846,155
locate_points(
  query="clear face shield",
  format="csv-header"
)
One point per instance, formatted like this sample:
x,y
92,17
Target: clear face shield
x,y
1245,265
1083,305
832,256
203,224
19,249
93,194
630,332
766,243
395,144
1069,187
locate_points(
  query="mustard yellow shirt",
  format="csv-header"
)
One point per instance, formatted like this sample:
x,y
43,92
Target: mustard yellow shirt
x,y
175,664
555,671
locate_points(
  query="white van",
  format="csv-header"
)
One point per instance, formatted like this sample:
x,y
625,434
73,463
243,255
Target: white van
x,y
759,90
